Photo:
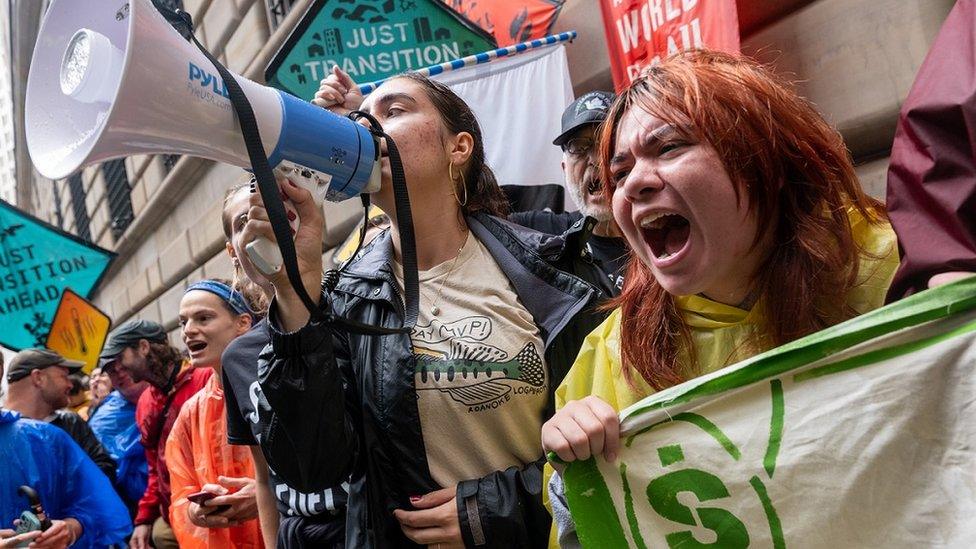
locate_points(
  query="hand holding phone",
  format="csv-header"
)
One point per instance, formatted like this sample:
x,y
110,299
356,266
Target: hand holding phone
x,y
203,496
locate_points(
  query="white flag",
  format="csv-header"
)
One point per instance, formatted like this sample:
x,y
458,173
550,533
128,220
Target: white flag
x,y
519,102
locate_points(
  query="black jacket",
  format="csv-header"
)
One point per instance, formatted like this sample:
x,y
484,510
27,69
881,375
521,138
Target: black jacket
x,y
80,432
359,421
582,253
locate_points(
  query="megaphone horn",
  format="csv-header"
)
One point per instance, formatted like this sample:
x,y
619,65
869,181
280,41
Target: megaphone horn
x,y
107,83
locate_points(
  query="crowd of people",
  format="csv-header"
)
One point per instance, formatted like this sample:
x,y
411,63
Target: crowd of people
x,y
719,215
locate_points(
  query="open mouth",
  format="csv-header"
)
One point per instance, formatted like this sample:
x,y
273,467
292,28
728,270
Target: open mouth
x,y
593,186
196,346
665,233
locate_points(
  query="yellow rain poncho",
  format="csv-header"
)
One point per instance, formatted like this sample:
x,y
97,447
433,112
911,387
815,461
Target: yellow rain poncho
x,y
721,334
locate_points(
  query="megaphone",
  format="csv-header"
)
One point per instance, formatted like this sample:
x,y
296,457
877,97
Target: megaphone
x,y
108,81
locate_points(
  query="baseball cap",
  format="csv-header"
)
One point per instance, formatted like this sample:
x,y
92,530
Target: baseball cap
x,y
589,108
130,333
29,360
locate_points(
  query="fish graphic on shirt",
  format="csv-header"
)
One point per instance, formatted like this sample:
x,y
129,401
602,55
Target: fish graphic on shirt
x,y
478,373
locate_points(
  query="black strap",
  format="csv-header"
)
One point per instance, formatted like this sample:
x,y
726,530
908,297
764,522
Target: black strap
x,y
331,278
408,244
265,180
277,215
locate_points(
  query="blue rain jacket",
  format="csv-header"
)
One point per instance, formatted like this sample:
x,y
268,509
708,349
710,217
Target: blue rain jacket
x,y
68,482
114,424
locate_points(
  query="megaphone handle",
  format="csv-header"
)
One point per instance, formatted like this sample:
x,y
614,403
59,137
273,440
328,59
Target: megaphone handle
x,y
263,253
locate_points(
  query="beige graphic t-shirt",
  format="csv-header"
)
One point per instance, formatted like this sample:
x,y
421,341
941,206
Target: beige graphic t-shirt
x,y
481,381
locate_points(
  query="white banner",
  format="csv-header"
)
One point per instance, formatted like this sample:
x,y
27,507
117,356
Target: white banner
x,y
519,102
863,435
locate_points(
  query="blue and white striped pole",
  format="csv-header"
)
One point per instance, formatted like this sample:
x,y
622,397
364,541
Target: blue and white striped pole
x,y
484,57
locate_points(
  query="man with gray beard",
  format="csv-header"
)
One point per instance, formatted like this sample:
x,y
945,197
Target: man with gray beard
x,y
591,230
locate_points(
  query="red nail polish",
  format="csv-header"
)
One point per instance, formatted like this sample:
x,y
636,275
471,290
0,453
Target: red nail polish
x,y
291,215
284,196
293,232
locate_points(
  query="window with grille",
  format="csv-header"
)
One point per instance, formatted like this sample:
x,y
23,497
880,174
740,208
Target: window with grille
x,y
277,10
82,222
118,193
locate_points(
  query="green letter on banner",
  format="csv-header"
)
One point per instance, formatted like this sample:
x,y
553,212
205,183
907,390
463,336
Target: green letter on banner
x,y
662,494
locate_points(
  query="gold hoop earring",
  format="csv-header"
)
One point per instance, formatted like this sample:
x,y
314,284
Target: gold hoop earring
x,y
464,184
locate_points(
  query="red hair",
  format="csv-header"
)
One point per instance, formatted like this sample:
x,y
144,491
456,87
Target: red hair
x,y
797,176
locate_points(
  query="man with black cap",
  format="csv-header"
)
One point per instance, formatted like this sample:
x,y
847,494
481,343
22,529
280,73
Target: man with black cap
x,y
594,234
38,387
140,349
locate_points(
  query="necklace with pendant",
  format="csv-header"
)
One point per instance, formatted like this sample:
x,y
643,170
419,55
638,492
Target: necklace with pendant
x,y
434,309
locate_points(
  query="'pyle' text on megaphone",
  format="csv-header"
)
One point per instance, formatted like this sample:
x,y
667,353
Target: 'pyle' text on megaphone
x,y
107,82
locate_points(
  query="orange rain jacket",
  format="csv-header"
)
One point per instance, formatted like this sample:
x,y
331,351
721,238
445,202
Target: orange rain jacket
x,y
197,453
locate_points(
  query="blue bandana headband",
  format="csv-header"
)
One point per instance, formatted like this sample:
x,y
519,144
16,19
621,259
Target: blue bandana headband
x,y
233,298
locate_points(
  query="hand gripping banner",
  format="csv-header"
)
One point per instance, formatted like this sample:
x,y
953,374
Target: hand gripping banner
x,y
861,435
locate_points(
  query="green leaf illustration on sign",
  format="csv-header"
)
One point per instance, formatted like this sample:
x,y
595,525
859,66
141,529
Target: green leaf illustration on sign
x,y
37,262
371,40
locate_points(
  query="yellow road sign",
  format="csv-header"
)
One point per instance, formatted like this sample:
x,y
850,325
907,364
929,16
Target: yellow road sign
x,y
79,330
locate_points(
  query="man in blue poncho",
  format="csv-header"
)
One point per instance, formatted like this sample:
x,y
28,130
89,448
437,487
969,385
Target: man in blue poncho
x,y
77,497
114,423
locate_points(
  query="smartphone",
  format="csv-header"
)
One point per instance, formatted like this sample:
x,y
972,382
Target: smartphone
x,y
203,496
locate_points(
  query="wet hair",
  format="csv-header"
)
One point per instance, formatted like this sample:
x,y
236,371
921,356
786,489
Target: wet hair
x,y
795,173
253,294
483,192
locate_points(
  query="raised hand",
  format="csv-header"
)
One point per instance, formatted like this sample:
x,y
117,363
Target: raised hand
x,y
338,93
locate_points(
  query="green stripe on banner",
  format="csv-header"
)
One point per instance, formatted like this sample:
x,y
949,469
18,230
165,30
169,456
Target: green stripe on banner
x,y
702,423
775,426
933,304
883,354
590,498
775,526
629,509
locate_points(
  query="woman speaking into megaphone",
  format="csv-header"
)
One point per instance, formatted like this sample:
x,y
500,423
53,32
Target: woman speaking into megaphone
x,y
440,427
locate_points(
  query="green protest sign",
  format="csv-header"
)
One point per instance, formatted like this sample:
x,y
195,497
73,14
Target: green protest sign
x,y
37,263
862,435
371,40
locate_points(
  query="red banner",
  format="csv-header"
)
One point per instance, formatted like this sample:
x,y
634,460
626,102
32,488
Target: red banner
x,y
511,21
641,32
